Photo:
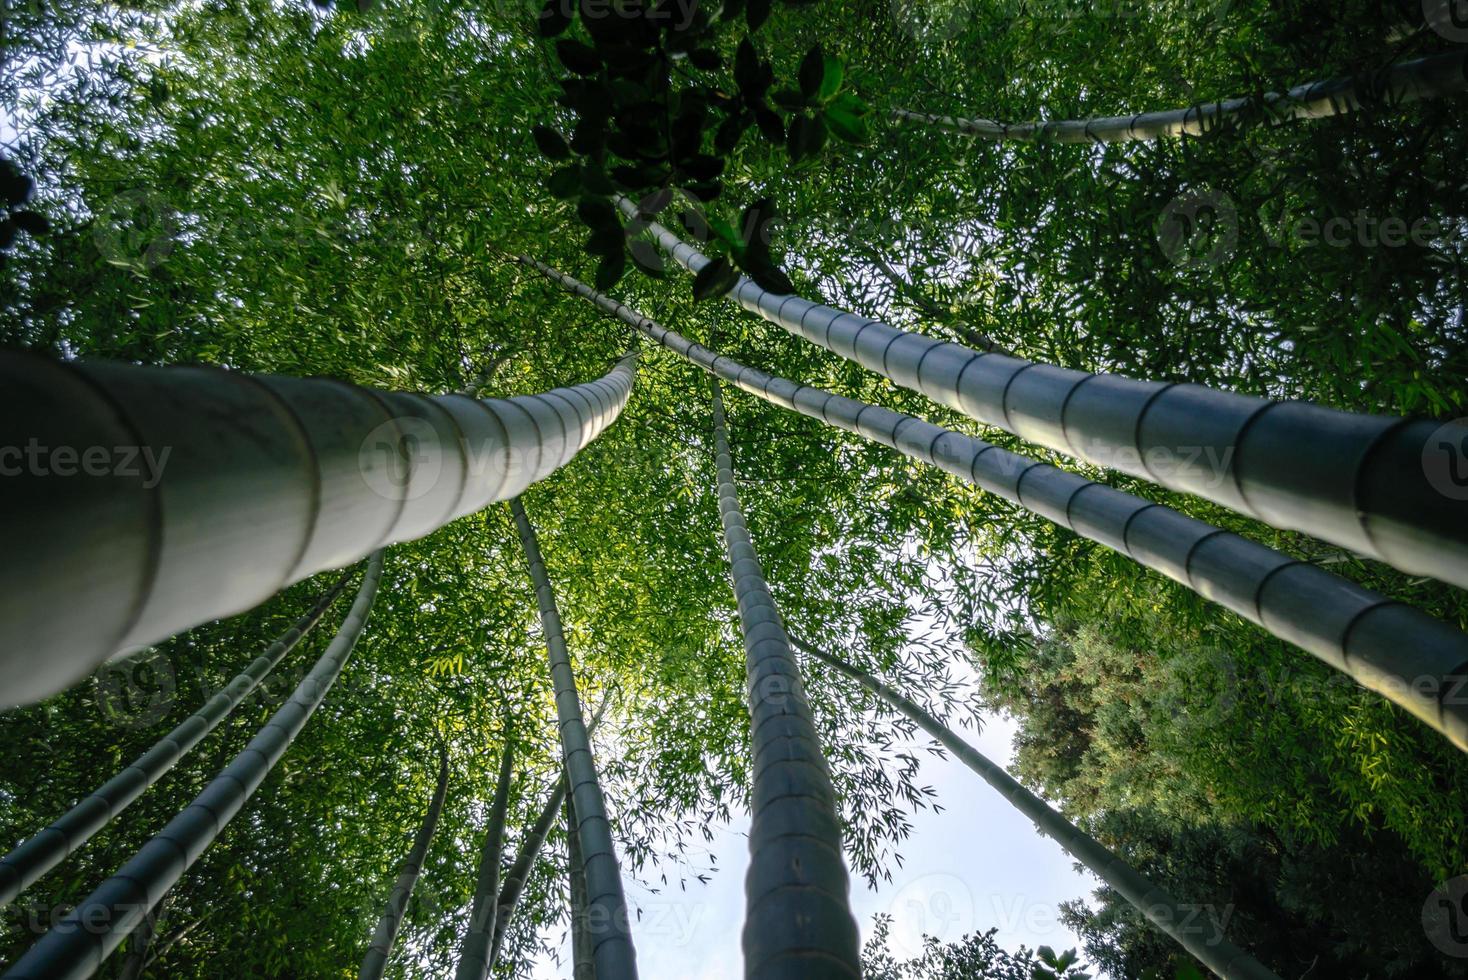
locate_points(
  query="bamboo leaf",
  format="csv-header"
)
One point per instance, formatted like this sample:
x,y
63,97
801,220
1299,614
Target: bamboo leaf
x,y
550,143
714,279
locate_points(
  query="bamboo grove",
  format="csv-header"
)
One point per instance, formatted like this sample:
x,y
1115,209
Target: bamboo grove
x,y
454,329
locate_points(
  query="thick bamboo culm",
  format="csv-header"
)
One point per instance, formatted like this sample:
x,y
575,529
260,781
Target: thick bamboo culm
x,y
1407,81
1358,481
257,482
797,920
75,948
1415,661
30,860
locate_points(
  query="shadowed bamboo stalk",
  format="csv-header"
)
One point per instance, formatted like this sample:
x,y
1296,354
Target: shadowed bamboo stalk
x,y
1204,940
222,488
1408,81
1414,660
607,907
33,858
583,965
379,950
76,947
474,960
519,871
1382,486
797,916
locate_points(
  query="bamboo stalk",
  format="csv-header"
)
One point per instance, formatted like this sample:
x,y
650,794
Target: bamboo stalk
x,y
24,865
1414,660
1408,81
379,948
797,919
1365,482
519,871
474,959
612,939
255,482
76,947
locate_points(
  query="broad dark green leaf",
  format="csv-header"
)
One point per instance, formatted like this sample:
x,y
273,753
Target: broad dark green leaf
x,y
551,143
714,279
582,59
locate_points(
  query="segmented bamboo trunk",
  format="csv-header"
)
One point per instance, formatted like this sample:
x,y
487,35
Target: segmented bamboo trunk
x,y
1203,939
607,907
1382,486
474,959
1417,662
583,965
76,947
379,949
519,872
1408,81
255,482
797,919
33,858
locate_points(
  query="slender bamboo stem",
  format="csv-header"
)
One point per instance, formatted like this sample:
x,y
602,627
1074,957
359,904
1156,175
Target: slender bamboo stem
x,y
379,949
519,872
76,947
1408,81
613,953
33,858
583,964
1379,485
1415,661
262,482
797,915
474,960
1204,940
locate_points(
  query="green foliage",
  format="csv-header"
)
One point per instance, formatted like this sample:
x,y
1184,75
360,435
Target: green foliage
x,y
974,957
274,187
